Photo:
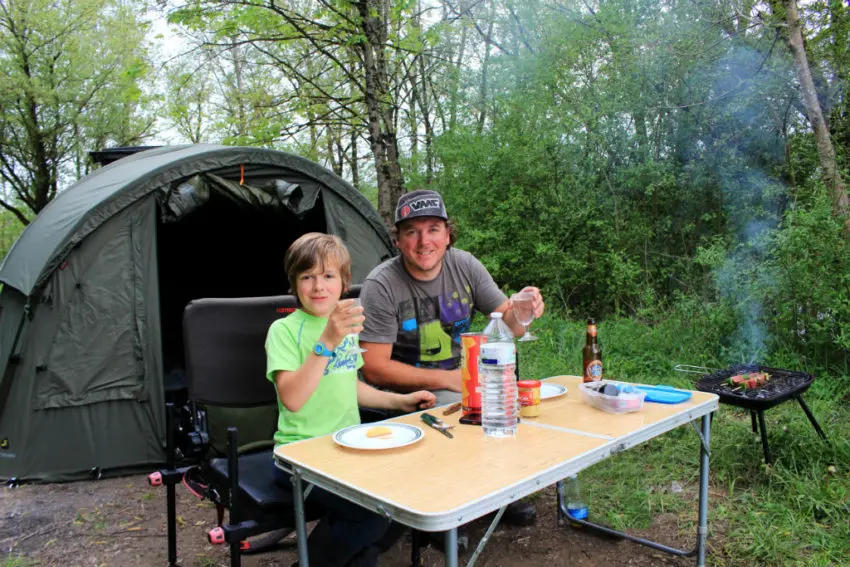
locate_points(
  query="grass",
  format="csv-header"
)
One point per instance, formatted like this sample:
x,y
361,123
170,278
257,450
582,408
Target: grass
x,y
794,512
16,561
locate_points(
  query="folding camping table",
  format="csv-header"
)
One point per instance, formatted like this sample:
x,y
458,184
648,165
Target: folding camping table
x,y
438,484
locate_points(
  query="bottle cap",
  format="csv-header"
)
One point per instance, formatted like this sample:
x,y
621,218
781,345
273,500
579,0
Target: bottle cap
x,y
495,315
591,321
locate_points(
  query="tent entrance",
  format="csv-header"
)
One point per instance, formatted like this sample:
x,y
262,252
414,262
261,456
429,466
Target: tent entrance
x,y
225,248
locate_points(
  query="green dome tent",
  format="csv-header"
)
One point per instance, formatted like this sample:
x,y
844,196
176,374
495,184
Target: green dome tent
x,y
94,289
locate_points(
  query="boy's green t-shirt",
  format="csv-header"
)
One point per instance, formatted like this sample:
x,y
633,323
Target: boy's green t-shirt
x,y
333,405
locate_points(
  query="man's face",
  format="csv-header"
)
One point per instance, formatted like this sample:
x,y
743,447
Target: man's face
x,y
423,242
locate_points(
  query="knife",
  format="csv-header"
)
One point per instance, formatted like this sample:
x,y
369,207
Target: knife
x,y
437,424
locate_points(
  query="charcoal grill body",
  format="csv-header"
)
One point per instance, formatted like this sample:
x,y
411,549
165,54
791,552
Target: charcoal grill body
x,y
782,386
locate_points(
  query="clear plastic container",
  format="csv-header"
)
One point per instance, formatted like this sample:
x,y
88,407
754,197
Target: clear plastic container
x,y
499,404
497,380
627,400
576,508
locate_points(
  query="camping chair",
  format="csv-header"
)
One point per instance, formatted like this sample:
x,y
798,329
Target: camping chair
x,y
225,366
234,410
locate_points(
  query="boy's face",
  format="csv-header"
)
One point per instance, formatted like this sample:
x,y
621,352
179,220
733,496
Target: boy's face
x,y
319,289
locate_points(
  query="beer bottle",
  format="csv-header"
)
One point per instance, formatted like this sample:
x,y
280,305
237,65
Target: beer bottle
x,y
592,354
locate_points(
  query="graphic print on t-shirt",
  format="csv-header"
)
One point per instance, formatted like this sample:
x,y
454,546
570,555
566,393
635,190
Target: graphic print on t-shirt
x,y
430,328
345,358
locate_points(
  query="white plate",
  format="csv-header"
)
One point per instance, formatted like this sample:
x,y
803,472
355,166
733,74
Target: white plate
x,y
551,390
355,437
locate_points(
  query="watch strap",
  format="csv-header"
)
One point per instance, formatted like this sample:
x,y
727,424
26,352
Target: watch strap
x,y
321,350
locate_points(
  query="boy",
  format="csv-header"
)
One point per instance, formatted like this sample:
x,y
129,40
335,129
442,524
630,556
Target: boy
x,y
312,362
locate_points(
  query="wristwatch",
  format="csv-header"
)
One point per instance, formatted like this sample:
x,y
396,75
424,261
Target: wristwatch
x,y
321,350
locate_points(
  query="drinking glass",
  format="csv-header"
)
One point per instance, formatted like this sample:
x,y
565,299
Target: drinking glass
x,y
523,304
357,348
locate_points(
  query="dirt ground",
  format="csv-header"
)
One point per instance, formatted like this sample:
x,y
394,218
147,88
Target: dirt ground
x,y
121,522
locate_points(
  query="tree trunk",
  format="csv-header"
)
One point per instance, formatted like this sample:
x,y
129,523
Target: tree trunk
x,y
380,111
355,166
826,153
454,86
240,89
426,122
485,66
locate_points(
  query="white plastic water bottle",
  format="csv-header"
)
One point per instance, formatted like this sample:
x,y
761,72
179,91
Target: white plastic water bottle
x,y
496,376
576,508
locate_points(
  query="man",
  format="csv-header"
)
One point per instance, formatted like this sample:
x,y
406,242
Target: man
x,y
417,305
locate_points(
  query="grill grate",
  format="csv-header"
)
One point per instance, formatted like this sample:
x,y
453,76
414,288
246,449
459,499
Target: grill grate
x,y
782,385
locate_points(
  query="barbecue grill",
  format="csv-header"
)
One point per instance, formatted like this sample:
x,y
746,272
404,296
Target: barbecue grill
x,y
782,386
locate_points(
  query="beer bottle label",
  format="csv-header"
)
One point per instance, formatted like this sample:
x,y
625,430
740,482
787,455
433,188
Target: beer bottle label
x,y
593,371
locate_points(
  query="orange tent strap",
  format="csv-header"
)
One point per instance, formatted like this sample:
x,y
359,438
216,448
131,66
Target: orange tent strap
x,y
242,174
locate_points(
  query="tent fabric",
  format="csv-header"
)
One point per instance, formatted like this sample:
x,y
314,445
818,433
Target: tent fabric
x,y
91,309
72,215
13,307
104,350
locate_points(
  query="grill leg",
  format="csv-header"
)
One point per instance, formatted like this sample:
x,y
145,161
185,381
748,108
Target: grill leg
x,y
767,458
811,417
753,420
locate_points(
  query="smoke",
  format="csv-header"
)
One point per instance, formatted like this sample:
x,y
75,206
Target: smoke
x,y
743,279
747,152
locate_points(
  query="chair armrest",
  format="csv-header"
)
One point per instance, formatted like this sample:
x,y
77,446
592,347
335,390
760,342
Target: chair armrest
x,y
255,446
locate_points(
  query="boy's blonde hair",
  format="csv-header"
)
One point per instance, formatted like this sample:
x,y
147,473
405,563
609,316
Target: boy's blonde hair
x,y
317,249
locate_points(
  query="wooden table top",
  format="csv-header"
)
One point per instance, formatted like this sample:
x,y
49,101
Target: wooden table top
x,y
570,412
438,483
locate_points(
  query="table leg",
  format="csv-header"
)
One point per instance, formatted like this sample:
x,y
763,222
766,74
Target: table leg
x,y
416,548
300,519
451,547
486,536
559,489
702,527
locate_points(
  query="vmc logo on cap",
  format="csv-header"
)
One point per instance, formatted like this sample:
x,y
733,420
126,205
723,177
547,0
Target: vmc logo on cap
x,y
421,205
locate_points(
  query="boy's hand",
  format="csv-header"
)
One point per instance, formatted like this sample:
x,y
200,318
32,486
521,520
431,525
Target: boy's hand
x,y
423,399
346,319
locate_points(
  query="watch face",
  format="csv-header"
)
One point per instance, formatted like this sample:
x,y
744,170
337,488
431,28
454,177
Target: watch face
x,y
322,350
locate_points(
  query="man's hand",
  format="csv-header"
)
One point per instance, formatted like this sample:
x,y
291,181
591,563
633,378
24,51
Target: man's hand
x,y
537,300
423,399
346,318
452,380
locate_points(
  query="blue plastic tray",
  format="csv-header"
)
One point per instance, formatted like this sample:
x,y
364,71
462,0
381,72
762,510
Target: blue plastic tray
x,y
664,394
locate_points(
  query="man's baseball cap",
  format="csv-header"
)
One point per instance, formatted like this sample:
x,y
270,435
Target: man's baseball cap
x,y
420,203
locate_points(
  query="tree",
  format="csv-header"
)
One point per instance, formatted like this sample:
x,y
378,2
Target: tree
x,y
71,74
826,152
348,59
190,89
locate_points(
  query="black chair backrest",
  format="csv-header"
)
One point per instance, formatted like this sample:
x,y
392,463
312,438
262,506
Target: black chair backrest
x,y
353,292
224,340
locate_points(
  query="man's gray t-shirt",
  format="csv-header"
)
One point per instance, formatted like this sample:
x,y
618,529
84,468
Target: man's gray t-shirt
x,y
424,319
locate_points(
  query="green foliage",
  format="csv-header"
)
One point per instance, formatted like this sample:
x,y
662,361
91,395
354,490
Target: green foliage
x,y
810,305
73,73
10,229
639,157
